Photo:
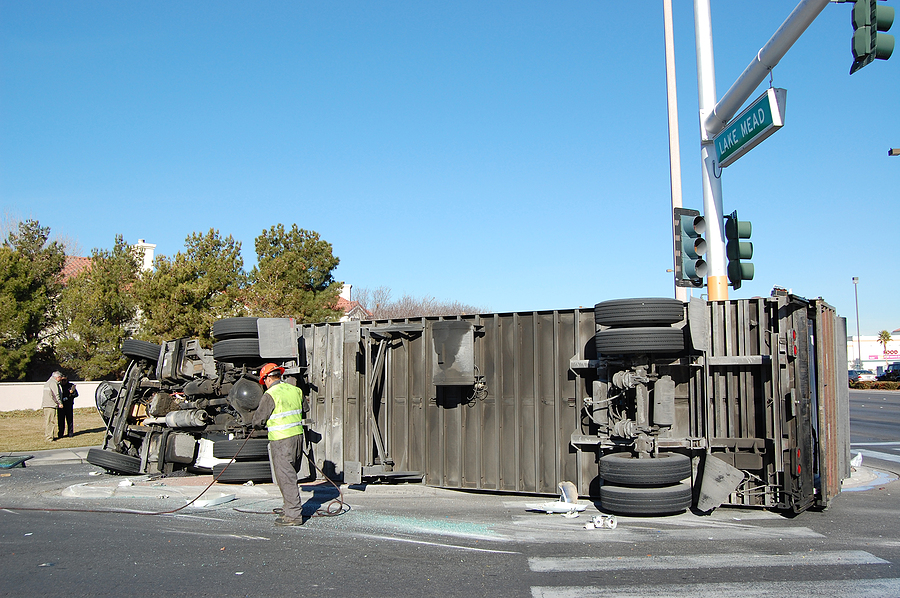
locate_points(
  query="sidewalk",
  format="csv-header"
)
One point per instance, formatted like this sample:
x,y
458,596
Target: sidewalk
x,y
861,478
52,456
188,486
140,486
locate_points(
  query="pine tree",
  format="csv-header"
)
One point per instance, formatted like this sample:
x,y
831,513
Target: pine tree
x,y
98,308
30,268
293,276
183,296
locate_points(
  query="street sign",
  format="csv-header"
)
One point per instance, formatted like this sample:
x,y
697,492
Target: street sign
x,y
759,120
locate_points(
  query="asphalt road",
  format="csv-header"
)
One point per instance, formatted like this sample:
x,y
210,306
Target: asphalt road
x,y
410,540
875,427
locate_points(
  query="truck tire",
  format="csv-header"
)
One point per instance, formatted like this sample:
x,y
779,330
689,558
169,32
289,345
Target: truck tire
x,y
243,471
237,350
114,462
229,328
255,449
664,470
136,349
622,341
639,312
645,501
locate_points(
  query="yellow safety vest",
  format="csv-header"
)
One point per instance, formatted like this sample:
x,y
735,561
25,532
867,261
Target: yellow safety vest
x,y
287,417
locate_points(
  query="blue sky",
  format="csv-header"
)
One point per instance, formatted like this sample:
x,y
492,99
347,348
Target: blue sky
x,y
509,155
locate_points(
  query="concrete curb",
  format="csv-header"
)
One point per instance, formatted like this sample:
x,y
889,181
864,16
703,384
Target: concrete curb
x,y
865,478
53,456
861,478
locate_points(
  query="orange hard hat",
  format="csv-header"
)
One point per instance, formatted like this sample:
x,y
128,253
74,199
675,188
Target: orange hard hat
x,y
268,369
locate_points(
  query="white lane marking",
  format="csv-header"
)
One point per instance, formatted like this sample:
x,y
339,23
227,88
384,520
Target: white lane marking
x,y
438,544
627,533
235,536
874,444
712,561
869,588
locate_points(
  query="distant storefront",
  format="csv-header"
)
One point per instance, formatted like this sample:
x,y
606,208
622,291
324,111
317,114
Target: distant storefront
x,y
871,353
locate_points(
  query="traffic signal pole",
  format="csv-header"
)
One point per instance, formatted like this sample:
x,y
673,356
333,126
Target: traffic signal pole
x,y
717,279
714,116
764,61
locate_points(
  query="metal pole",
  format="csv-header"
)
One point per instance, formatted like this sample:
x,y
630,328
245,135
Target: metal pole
x,y
858,340
674,151
764,61
717,281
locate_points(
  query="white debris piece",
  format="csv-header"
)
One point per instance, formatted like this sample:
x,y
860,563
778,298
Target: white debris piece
x,y
857,460
568,492
602,521
216,499
555,507
567,503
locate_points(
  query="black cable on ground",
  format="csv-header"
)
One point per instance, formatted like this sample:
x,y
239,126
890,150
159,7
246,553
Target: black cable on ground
x,y
127,511
328,512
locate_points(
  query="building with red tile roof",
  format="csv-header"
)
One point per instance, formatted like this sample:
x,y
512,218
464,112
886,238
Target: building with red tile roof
x,y
352,309
74,265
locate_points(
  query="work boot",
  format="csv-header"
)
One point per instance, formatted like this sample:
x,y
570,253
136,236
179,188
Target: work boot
x,y
287,521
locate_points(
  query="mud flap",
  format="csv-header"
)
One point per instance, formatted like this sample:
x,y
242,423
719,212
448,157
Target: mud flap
x,y
719,480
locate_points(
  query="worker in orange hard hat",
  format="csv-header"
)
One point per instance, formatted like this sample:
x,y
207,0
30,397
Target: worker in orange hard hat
x,y
266,370
281,411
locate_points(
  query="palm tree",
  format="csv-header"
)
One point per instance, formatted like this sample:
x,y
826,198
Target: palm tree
x,y
884,337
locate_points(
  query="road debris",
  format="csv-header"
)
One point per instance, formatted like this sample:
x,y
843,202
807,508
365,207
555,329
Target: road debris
x,y
567,505
602,521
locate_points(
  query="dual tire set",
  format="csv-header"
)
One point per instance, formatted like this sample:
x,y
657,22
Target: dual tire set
x,y
651,486
250,460
237,341
635,326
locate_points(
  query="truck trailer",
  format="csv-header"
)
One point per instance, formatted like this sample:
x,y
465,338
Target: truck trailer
x,y
649,406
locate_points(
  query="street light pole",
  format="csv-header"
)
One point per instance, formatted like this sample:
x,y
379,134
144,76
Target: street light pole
x,y
674,151
858,340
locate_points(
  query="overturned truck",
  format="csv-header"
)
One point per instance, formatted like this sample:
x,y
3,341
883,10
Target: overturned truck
x,y
650,406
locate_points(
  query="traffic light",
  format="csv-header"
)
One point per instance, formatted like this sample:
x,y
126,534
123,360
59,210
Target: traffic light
x,y
868,44
690,267
737,250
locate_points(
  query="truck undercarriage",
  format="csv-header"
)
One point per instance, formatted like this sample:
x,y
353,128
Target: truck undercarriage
x,y
650,406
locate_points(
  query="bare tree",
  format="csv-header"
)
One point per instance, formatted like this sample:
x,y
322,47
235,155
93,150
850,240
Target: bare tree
x,y
9,223
379,303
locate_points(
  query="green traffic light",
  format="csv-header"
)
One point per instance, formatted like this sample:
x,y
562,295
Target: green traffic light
x,y
737,250
868,44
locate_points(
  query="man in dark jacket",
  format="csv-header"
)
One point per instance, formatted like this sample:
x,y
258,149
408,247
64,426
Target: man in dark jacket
x,y
66,412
